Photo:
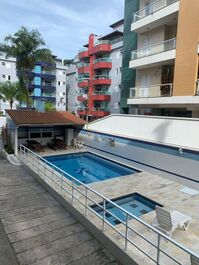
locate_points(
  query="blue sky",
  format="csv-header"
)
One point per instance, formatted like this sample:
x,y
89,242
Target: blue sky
x,y
64,24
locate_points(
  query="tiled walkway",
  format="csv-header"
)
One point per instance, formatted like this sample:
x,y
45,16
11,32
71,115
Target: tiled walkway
x,y
37,230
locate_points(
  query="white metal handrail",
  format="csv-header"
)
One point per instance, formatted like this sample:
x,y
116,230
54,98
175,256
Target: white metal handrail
x,y
160,47
152,8
53,175
159,90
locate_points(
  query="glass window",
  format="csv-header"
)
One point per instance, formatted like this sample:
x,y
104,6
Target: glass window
x,y
3,63
35,135
3,76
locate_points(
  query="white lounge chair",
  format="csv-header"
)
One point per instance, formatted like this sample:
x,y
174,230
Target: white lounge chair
x,y
168,222
194,260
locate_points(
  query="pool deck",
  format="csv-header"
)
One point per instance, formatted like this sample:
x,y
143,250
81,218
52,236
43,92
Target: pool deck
x,y
162,190
35,229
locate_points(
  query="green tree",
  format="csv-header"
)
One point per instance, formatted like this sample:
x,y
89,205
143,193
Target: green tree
x,y
11,92
49,106
28,47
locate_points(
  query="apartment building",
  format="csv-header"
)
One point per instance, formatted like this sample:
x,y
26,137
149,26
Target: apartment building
x,y
99,74
46,82
164,64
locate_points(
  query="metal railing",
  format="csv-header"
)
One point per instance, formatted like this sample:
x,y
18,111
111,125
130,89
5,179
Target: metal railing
x,y
160,90
135,233
103,60
152,8
102,77
116,40
160,47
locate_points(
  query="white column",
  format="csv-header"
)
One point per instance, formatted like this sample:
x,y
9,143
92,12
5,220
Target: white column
x,y
16,141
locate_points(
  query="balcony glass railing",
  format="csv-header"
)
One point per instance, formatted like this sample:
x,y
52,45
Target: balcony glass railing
x,y
48,73
47,84
160,90
152,8
101,42
79,65
154,49
48,95
102,77
83,79
116,40
106,109
101,93
108,60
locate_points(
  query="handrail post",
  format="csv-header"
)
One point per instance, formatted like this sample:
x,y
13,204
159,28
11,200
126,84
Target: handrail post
x,y
104,214
72,191
126,232
158,249
86,200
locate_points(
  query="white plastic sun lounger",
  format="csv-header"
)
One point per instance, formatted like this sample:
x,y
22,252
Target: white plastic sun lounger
x,y
194,260
168,222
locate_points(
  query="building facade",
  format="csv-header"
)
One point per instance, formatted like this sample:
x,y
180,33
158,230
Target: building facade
x,y
165,61
94,77
46,82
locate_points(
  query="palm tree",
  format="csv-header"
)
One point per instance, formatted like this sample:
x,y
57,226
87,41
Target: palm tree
x,y
27,47
10,92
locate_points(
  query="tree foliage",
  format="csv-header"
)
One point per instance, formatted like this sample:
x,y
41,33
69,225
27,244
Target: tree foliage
x,y
28,47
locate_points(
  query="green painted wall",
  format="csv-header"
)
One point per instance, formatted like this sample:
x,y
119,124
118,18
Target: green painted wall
x,y
130,44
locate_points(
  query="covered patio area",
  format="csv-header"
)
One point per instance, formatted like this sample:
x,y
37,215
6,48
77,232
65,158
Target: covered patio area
x,y
29,127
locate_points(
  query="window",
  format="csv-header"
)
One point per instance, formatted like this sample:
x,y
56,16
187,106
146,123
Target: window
x,y
3,63
59,83
64,93
64,83
64,72
3,76
47,134
35,135
9,77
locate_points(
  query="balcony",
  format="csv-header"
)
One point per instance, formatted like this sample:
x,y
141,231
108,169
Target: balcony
x,y
82,97
31,85
99,112
150,94
83,82
154,15
47,87
82,111
83,53
45,97
47,75
102,63
101,96
83,68
158,53
101,47
102,80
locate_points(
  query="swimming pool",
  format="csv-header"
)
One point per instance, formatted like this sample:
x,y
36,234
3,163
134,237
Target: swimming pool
x,y
88,167
134,203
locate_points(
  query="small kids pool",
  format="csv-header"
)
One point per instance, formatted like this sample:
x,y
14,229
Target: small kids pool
x,y
134,203
88,167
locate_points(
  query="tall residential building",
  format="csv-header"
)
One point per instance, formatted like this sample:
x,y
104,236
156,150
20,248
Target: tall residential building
x,y
97,78
164,65
46,82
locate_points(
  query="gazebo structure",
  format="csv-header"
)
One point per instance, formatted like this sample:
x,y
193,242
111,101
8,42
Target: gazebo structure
x,y
26,125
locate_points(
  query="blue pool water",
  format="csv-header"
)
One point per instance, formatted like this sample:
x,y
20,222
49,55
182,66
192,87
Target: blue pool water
x,y
134,203
89,168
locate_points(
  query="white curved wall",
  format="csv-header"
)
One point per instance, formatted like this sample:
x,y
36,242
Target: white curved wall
x,y
165,130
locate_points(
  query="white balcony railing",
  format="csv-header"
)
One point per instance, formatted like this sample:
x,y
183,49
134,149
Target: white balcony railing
x,y
160,90
160,47
152,8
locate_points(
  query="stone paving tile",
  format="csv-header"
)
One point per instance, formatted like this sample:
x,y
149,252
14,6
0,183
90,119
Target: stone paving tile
x,y
45,238
38,228
51,248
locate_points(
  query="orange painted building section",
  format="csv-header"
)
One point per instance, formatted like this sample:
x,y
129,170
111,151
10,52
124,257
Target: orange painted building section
x,y
186,64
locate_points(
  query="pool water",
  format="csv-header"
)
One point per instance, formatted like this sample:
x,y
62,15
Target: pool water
x,y
134,203
89,168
